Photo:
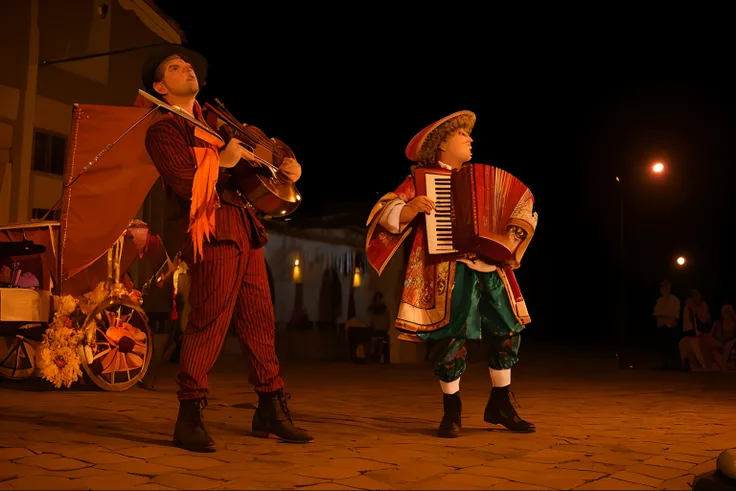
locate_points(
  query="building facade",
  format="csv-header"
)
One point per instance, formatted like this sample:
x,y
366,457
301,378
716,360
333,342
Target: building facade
x,y
41,80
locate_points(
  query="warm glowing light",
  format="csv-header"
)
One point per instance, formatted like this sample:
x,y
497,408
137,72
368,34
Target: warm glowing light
x,y
658,168
681,261
296,262
296,275
356,278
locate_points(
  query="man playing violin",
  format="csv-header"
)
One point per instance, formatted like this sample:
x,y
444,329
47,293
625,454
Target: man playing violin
x,y
223,240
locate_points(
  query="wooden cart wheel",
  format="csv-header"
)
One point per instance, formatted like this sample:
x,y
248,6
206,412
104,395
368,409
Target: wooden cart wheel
x,y
17,357
118,344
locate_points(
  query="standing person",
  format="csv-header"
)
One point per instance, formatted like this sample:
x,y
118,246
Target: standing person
x,y
695,321
380,326
223,249
157,304
449,299
667,314
695,315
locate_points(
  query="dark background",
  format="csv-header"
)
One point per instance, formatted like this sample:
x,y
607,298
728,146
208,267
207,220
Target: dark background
x,y
348,99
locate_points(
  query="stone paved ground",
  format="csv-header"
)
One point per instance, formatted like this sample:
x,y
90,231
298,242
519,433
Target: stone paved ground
x,y
598,428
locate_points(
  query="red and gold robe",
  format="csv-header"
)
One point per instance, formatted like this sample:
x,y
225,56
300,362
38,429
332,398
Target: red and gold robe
x,y
427,291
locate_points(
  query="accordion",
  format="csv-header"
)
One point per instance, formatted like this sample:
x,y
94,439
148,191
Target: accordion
x,y
479,209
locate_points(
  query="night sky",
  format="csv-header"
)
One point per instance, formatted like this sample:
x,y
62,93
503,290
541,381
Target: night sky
x,y
349,100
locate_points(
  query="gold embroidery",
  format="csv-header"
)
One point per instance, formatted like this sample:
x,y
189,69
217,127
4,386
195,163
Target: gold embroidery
x,y
442,278
441,285
419,284
415,318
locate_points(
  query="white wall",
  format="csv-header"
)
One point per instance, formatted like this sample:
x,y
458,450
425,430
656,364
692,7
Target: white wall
x,y
314,257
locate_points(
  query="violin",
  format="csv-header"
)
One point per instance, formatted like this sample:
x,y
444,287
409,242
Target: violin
x,y
260,181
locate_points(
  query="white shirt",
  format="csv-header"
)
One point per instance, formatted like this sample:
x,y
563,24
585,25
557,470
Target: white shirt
x,y
391,221
688,313
666,309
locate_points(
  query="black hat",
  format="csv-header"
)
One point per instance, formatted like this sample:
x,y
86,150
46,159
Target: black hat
x,y
160,53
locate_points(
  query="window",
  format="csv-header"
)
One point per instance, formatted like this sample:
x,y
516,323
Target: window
x,y
49,152
38,213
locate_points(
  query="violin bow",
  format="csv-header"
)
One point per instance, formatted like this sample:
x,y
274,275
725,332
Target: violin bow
x,y
179,112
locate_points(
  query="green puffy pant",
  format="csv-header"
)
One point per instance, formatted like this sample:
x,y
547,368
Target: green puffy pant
x,y
480,309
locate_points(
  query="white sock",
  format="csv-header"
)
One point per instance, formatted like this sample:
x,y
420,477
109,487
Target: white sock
x,y
500,378
450,387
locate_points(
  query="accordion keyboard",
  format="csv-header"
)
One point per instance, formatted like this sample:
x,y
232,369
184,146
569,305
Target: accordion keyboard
x,y
439,222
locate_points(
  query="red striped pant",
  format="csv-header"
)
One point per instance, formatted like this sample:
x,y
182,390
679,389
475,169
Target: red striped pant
x,y
228,285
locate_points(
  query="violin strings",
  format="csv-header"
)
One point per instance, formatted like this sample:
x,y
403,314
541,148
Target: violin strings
x,y
229,118
247,137
244,135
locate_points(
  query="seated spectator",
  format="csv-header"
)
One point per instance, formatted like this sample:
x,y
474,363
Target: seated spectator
x,y
719,342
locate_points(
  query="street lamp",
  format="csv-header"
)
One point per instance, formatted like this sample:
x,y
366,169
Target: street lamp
x,y
657,168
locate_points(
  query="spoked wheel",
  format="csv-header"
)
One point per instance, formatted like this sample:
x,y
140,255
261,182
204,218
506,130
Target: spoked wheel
x,y
118,345
18,357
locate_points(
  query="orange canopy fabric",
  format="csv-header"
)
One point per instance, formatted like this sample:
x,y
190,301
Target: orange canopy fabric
x,y
98,206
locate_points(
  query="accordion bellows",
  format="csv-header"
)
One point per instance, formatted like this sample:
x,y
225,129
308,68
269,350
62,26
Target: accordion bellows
x,y
492,211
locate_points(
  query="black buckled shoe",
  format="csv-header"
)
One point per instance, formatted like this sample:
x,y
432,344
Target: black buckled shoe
x,y
452,420
272,417
190,432
500,410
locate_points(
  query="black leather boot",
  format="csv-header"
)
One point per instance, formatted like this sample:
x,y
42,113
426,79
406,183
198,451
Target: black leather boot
x,y
500,410
190,433
452,420
272,416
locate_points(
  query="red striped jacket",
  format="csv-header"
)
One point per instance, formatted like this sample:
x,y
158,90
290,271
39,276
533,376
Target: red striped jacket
x,y
170,143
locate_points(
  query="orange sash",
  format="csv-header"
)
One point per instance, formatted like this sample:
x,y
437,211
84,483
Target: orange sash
x,y
204,192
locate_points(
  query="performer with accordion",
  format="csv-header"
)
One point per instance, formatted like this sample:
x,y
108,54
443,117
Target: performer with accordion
x,y
469,226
